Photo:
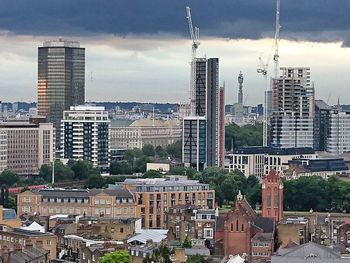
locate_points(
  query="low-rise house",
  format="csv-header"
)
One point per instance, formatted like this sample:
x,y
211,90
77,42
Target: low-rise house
x,y
294,229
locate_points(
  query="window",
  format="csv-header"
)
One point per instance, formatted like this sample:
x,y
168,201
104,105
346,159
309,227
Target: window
x,y
121,230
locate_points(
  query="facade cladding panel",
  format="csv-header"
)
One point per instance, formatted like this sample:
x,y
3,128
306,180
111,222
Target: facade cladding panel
x,y
61,79
200,87
212,111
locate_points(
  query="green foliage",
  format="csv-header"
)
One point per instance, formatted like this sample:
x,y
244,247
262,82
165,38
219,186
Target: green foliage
x,y
161,152
120,168
148,150
174,150
12,201
247,135
45,172
160,255
95,181
197,259
81,168
121,256
190,172
152,174
186,243
8,178
141,163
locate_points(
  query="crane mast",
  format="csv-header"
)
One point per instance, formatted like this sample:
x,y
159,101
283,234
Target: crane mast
x,y
277,38
194,33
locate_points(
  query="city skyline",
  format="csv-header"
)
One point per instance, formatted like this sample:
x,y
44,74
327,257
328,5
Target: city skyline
x,y
151,58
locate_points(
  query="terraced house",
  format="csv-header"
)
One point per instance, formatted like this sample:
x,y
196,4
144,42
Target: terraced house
x,y
88,202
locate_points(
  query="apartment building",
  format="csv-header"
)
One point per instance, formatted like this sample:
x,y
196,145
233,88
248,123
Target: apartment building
x,y
145,131
88,202
155,196
25,146
85,135
14,237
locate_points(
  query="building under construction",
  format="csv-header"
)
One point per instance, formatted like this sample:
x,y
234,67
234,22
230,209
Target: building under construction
x,y
292,109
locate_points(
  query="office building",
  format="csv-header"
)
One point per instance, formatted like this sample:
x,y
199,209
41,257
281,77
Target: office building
x,y
61,79
88,202
321,120
25,146
292,109
221,131
259,161
155,196
85,135
145,131
194,148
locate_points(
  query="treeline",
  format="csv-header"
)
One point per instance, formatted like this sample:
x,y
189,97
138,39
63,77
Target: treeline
x,y
247,135
135,160
318,194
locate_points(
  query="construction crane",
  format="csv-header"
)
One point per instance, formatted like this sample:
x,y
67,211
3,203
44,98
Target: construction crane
x,y
194,33
263,69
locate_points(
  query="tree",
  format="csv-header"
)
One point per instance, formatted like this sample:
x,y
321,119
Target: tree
x,y
81,168
186,243
45,172
197,259
8,178
140,164
95,181
161,152
148,150
121,256
160,255
120,167
247,135
62,172
152,174
175,149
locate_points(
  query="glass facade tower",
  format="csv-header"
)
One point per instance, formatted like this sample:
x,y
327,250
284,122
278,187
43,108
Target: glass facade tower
x,y
61,79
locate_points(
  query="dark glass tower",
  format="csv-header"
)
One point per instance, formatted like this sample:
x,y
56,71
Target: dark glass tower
x,y
61,79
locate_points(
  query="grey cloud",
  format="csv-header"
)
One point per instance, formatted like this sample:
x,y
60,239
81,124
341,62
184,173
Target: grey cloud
x,y
253,19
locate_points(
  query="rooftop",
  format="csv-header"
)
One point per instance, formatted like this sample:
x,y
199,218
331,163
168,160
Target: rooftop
x,y
273,151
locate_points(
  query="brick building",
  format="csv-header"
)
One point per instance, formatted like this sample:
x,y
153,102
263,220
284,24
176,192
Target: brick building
x,y
190,222
88,202
272,196
155,196
241,231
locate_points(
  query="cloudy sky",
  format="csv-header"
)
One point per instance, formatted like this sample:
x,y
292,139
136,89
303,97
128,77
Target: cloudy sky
x,y
138,50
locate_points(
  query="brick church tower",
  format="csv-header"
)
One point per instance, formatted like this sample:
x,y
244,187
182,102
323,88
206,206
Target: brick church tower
x,y
272,196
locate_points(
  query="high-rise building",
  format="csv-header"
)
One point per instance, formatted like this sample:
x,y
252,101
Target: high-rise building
x,y
338,137
25,146
222,127
194,148
85,135
61,79
212,111
322,111
292,109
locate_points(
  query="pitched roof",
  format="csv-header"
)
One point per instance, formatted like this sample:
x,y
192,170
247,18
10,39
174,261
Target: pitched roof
x,y
311,250
121,193
263,237
267,225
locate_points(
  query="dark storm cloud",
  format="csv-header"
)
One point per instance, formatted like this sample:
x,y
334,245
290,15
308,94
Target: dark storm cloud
x,y
320,20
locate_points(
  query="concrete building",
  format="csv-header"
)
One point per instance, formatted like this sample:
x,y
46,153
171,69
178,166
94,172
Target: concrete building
x,y
145,131
61,79
155,196
194,148
259,161
85,135
338,139
25,146
321,125
292,109
93,202
293,229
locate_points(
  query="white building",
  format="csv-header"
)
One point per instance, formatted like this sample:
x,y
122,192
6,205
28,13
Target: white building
x,y
85,135
292,109
25,146
259,161
146,131
338,139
